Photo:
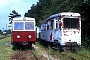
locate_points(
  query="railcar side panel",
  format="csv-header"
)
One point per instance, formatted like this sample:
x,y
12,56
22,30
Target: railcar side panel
x,y
47,35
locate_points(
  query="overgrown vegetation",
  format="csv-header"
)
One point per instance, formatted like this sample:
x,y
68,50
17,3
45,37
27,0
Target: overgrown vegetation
x,y
80,54
45,8
1,32
5,52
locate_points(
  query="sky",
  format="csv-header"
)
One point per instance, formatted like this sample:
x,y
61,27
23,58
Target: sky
x,y
6,7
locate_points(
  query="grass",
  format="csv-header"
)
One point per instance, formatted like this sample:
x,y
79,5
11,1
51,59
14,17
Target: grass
x,y
5,52
0,34
80,54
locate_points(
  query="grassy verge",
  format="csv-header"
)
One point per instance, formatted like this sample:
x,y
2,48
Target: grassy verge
x,y
5,52
0,34
80,54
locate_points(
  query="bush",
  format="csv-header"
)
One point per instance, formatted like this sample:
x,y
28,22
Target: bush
x,y
1,32
86,42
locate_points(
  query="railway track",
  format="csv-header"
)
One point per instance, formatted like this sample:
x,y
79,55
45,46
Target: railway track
x,y
2,37
24,55
34,56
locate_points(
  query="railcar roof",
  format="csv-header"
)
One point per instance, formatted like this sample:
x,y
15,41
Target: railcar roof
x,y
23,19
61,14
64,13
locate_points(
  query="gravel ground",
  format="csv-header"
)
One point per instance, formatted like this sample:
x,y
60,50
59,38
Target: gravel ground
x,y
45,53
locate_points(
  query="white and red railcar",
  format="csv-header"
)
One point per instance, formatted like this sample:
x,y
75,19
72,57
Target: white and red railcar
x,y
63,29
23,31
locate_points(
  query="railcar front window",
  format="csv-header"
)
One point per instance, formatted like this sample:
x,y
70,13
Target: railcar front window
x,y
71,23
29,25
18,25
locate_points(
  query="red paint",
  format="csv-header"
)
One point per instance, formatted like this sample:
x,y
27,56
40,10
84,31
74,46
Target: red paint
x,y
65,31
62,24
62,16
23,36
78,31
66,35
74,32
50,36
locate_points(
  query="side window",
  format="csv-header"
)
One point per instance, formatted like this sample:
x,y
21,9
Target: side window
x,y
56,24
44,26
47,27
41,27
51,25
60,24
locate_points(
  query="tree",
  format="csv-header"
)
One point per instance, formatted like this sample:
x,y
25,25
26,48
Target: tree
x,y
45,8
84,9
13,15
1,32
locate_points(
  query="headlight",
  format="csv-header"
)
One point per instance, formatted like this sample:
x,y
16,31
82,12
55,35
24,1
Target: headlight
x,y
29,36
18,36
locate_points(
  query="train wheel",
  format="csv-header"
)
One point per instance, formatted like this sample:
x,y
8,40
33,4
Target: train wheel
x,y
60,48
11,42
29,45
14,46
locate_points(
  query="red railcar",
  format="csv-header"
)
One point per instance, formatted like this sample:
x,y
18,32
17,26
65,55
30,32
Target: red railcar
x,y
23,31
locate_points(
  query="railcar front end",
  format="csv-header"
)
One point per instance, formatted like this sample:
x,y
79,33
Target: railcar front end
x,y
23,31
71,32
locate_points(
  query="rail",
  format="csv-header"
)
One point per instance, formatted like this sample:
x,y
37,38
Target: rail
x,y
2,37
23,55
34,56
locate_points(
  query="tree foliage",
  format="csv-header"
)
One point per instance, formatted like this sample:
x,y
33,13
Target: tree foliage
x,y
84,10
12,15
44,8
1,32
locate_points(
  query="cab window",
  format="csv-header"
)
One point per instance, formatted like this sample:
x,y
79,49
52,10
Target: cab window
x,y
29,25
18,25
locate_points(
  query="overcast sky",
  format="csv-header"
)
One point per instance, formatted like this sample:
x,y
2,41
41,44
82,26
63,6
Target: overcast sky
x,y
6,7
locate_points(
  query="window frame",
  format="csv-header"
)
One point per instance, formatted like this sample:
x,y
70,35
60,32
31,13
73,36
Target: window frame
x,y
30,28
19,26
71,23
